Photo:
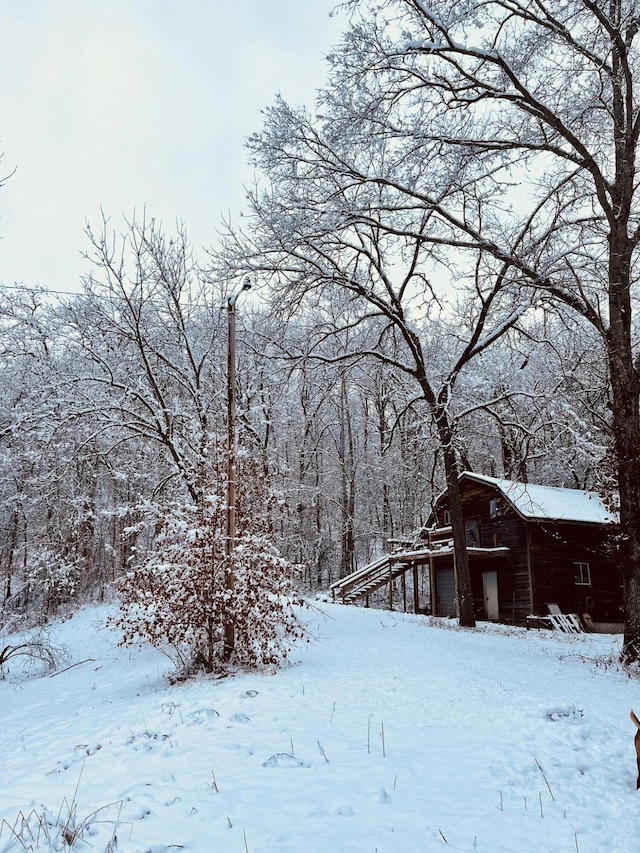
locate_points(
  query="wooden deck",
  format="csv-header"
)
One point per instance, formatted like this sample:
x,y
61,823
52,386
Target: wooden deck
x,y
380,572
385,569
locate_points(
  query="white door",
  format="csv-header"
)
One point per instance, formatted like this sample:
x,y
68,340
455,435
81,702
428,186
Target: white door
x,y
490,588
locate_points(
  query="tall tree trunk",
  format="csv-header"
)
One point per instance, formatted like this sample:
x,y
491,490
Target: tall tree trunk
x,y
626,423
11,549
387,516
347,477
514,463
462,574
624,376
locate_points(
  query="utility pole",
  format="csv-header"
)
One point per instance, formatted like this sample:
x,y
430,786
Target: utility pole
x,y
229,578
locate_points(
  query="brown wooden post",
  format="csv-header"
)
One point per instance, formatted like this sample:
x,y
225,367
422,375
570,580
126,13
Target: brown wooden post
x,y
390,588
229,577
416,591
432,587
403,581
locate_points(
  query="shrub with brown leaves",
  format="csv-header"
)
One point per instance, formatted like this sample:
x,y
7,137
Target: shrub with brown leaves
x,y
179,596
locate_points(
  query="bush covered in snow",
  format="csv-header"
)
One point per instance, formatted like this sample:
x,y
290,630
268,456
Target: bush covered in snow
x,y
185,591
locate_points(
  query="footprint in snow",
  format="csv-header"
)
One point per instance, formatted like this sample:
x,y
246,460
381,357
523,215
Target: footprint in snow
x,y
140,813
201,715
285,759
239,718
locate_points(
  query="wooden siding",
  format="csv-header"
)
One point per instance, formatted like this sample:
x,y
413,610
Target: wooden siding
x,y
554,549
504,529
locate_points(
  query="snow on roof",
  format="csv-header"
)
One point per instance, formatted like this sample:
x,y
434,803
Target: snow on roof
x,y
548,502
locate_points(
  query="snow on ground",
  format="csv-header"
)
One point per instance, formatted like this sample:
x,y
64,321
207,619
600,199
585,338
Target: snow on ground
x,y
390,733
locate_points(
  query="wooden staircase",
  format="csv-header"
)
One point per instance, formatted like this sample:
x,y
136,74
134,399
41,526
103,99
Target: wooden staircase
x,y
367,579
383,571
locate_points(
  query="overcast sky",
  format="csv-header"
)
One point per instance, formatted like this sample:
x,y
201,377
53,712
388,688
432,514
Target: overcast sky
x,y
124,103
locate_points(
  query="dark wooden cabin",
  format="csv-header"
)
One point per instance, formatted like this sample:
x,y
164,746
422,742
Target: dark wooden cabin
x,y
528,546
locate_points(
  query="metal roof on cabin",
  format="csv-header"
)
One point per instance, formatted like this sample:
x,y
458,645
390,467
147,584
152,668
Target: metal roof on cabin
x,y
549,502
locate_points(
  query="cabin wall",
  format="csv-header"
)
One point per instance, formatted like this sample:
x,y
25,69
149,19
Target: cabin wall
x,y
554,550
503,529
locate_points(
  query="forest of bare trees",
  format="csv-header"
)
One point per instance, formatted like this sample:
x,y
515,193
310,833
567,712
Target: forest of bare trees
x,y
114,406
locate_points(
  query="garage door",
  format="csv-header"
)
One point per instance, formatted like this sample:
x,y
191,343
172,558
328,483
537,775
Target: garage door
x,y
445,592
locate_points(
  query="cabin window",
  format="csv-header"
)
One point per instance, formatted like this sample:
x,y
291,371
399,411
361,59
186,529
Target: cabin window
x,y
493,507
446,517
582,574
472,532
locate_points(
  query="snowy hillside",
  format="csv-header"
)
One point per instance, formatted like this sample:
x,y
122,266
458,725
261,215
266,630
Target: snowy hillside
x,y
390,733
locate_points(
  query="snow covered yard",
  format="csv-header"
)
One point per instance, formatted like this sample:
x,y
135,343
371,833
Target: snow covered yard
x,y
389,733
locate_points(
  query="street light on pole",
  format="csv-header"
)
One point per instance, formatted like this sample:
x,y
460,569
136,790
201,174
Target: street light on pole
x,y
229,628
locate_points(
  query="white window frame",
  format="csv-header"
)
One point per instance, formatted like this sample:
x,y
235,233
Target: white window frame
x,y
446,516
581,573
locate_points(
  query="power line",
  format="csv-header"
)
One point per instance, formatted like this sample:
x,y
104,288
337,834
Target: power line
x,y
40,288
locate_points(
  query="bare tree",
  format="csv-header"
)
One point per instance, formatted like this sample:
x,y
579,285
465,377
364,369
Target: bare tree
x,y
549,419
46,516
148,342
325,234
